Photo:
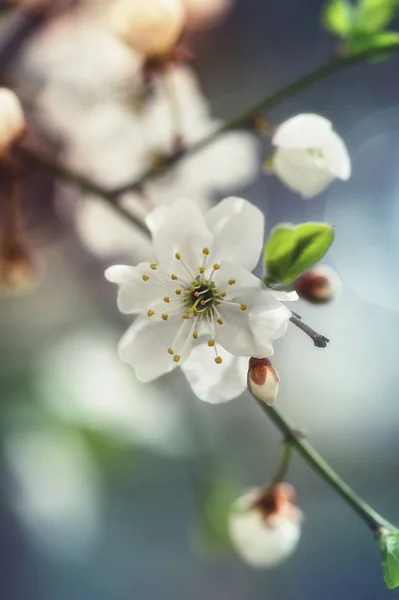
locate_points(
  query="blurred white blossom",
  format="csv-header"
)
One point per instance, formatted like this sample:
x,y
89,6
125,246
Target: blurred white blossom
x,y
265,525
12,120
151,27
56,488
203,13
309,155
201,291
82,380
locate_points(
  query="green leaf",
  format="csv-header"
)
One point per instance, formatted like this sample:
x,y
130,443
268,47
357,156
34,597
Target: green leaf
x,y
382,40
291,249
337,17
373,15
390,558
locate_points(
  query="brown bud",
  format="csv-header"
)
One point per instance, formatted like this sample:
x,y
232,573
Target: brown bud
x,y
20,270
318,285
263,380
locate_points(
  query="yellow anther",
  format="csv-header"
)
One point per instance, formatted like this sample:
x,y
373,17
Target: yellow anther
x,y
185,316
178,292
145,277
174,277
170,350
192,289
202,270
150,313
243,306
211,343
196,294
220,321
222,294
195,335
218,360
176,357
203,302
165,317
205,251
153,266
216,266
232,281
178,256
166,299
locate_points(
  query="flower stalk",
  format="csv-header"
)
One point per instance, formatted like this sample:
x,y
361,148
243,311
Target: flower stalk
x,y
319,340
371,518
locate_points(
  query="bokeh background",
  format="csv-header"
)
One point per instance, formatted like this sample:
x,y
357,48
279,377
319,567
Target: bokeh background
x,y
112,489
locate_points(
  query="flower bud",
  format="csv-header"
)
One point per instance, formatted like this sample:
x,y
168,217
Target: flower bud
x,y
318,285
151,27
204,13
263,380
20,271
12,121
265,525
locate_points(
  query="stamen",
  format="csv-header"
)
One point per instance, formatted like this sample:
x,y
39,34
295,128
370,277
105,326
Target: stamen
x,y
170,350
178,255
186,316
222,294
153,266
205,251
178,292
145,277
166,299
243,306
195,335
176,358
211,343
216,267
202,270
165,316
218,360
232,281
174,277
150,313
219,321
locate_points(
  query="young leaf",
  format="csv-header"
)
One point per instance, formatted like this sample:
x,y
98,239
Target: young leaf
x,y
390,559
373,15
382,40
337,17
293,248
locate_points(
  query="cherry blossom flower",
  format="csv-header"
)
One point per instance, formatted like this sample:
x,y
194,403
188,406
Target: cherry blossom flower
x,y
309,155
200,292
12,121
265,525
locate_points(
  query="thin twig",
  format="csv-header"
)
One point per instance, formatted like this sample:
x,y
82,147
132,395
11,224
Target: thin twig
x,y
319,340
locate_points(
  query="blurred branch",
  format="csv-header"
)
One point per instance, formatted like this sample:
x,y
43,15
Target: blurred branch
x,y
372,519
246,118
45,162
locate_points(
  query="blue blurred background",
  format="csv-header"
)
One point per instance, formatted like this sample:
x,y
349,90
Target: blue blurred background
x,y
112,489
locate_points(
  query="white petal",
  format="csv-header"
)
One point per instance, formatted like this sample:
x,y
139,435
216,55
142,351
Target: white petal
x,y
269,321
145,347
300,172
179,228
259,543
215,383
336,156
238,227
285,296
136,295
302,131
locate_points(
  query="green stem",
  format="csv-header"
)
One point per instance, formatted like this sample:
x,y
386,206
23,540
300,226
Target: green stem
x,y
246,118
79,180
372,519
284,464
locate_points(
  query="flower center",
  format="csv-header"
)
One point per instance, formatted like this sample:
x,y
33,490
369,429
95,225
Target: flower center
x,y
197,303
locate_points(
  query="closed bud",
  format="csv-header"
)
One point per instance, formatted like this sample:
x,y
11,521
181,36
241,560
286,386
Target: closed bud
x,y
265,525
20,271
263,380
318,285
151,27
12,121
205,13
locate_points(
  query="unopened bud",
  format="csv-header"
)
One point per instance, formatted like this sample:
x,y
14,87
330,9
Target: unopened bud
x,y
265,525
12,121
20,270
205,13
151,27
263,380
318,285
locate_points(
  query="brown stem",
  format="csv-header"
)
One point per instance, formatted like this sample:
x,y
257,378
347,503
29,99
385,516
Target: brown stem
x,y
319,340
